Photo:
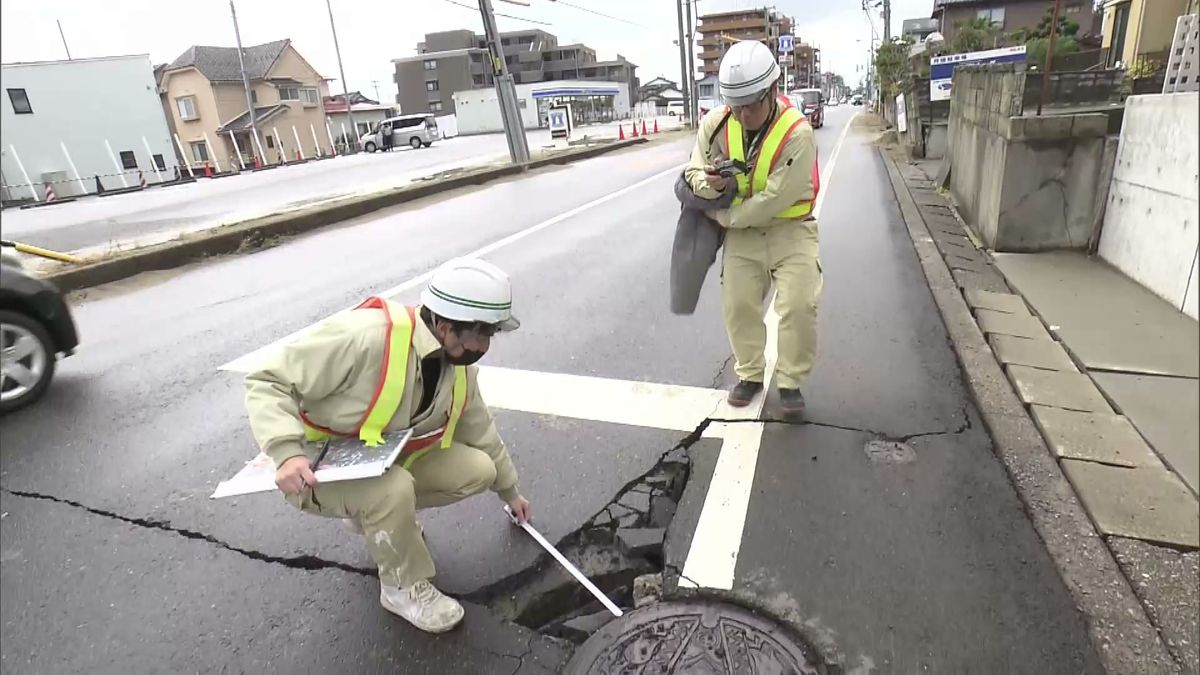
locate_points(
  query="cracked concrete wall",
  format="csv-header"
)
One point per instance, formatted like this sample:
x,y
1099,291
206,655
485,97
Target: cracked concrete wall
x,y
1024,183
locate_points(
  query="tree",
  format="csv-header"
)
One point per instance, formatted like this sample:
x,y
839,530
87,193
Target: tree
x,y
977,35
892,67
1037,39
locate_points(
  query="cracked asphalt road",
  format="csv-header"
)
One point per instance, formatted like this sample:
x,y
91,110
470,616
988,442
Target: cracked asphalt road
x,y
112,558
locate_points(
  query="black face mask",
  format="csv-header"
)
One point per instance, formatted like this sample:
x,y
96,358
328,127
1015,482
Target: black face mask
x,y
467,358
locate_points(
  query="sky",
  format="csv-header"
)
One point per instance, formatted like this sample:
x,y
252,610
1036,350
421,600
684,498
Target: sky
x,y
372,32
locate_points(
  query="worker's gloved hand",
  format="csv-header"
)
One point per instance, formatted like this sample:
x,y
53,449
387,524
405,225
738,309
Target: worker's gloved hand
x,y
295,476
520,509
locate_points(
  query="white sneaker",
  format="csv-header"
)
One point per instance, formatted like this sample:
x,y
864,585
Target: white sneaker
x,y
422,605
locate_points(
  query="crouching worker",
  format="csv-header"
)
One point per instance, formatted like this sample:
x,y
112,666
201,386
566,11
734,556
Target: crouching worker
x,y
384,368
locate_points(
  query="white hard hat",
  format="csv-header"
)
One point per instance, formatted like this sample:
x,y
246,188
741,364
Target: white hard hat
x,y
747,70
469,289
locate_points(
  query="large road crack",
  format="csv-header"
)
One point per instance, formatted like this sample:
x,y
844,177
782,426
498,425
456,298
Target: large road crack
x,y
308,563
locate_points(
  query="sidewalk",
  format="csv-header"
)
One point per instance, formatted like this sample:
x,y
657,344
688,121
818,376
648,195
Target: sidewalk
x,y
1108,372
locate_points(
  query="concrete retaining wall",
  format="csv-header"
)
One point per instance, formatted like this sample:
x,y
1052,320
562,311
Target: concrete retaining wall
x,y
1150,224
1024,183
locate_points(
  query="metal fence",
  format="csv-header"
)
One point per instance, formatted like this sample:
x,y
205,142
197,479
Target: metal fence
x,y
1074,89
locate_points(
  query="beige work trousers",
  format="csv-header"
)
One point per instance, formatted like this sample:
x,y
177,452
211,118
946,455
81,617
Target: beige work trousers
x,y
387,506
788,255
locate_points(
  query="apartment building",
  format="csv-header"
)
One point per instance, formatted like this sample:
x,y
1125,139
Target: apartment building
x,y
205,102
1141,30
453,61
719,30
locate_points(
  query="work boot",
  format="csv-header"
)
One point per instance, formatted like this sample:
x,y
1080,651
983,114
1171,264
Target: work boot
x,y
743,393
791,401
422,605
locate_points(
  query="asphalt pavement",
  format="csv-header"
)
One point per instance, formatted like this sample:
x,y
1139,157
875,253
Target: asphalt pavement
x,y
113,559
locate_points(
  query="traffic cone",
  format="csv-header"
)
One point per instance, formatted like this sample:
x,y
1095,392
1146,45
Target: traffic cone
x,y
644,128
298,157
620,132
141,179
207,170
634,133
257,162
99,185
656,125
50,196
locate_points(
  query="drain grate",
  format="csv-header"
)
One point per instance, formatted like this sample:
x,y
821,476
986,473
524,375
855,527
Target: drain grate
x,y
691,637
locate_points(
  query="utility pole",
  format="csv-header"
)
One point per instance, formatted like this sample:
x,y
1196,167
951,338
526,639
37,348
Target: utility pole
x,y
245,81
64,38
887,21
694,105
1049,65
683,64
345,85
506,90
375,83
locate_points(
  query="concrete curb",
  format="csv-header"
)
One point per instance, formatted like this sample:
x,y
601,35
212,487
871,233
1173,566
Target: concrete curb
x,y
234,238
1124,637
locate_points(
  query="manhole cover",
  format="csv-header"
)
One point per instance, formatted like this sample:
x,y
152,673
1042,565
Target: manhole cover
x,y
691,638
890,452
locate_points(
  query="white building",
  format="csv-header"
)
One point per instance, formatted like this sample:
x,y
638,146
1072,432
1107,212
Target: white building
x,y
103,114
478,111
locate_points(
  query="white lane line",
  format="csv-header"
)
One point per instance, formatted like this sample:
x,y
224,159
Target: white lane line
x,y
642,404
712,559
247,362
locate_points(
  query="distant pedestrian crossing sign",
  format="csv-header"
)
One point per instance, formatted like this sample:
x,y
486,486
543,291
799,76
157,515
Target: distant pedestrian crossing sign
x,y
785,44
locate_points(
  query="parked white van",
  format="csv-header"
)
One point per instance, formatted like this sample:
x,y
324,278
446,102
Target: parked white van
x,y
416,131
676,108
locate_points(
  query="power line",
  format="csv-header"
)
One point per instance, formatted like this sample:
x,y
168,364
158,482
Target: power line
x,y
597,13
507,16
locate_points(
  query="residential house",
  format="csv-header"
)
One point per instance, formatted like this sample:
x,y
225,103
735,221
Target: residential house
x,y
366,112
657,93
75,124
1008,15
205,100
1141,31
454,61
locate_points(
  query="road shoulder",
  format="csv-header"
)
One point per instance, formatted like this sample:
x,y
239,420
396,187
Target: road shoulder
x,y
1118,625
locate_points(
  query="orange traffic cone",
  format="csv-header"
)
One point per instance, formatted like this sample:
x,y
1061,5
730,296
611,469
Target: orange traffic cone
x,y
299,157
620,132
644,128
656,125
634,132
207,170
257,162
50,196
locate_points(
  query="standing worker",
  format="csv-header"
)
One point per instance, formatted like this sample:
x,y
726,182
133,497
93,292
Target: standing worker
x,y
765,148
383,368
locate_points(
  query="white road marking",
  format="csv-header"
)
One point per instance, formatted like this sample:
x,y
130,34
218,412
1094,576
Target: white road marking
x,y
642,404
246,363
712,558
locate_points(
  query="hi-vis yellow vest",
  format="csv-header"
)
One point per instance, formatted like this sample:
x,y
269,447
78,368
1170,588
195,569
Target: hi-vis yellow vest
x,y
390,390
788,121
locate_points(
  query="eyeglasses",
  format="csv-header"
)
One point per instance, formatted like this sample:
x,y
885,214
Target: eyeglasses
x,y
762,97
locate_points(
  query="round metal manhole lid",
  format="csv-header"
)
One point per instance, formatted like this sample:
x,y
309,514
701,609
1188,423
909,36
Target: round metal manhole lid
x,y
691,638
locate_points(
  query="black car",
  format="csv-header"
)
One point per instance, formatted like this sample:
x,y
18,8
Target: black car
x,y
35,328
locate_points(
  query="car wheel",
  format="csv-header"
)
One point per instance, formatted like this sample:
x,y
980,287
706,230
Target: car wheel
x,y
414,143
369,147
26,360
